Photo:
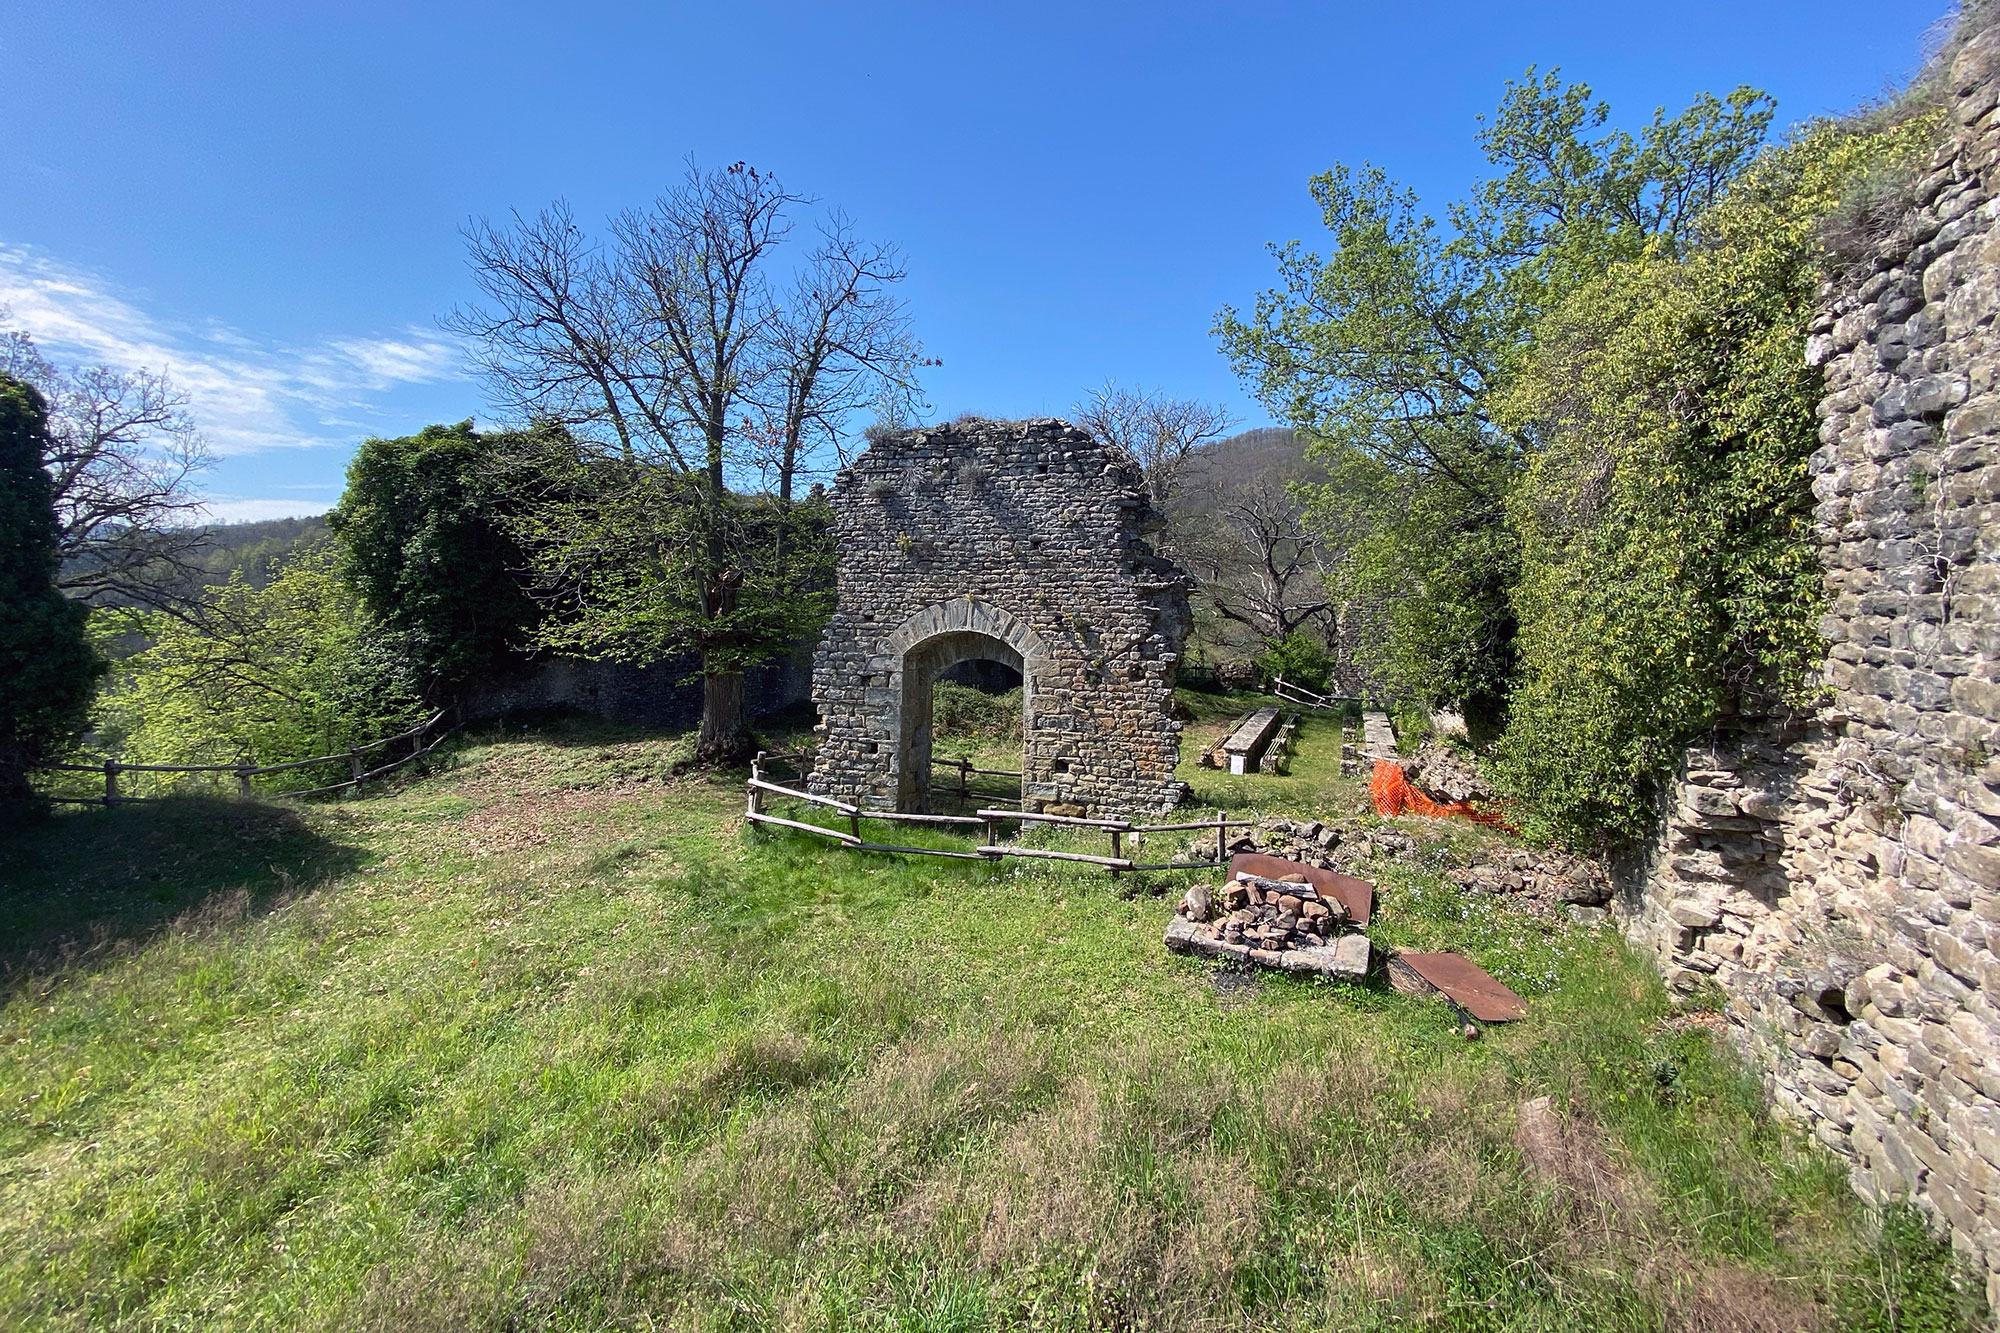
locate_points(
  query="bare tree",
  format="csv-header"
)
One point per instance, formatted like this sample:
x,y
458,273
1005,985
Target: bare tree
x,y
672,347
839,344
123,454
1155,429
1258,564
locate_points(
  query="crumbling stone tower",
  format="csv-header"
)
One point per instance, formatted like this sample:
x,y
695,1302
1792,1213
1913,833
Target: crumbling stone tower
x,y
1019,542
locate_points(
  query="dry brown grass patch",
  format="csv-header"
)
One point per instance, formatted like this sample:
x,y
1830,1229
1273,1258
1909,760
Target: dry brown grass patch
x,y
1736,1300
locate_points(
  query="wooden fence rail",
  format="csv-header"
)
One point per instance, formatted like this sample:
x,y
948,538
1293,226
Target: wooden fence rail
x,y
111,768
987,819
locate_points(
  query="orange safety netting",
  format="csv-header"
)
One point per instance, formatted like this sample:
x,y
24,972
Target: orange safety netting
x,y
1395,794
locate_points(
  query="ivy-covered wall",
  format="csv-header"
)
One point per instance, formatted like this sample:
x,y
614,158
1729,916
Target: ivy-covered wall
x,y
1837,877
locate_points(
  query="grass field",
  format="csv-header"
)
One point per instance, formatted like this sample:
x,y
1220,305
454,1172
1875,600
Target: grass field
x,y
548,1039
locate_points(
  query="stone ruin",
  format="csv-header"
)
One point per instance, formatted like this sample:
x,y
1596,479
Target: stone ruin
x,y
1017,542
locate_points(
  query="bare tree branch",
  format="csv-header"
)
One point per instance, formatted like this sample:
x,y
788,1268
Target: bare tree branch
x,y
1155,429
123,454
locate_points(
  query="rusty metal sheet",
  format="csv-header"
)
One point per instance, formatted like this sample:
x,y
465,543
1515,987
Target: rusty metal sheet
x,y
1356,895
1467,985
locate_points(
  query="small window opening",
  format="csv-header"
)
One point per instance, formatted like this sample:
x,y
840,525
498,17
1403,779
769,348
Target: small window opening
x,y
1061,766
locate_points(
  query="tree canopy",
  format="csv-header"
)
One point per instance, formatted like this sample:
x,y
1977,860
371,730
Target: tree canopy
x,y
1388,350
1567,432
423,524
694,376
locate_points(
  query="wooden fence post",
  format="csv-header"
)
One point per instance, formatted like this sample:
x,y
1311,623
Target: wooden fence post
x,y
1117,849
964,777
110,783
243,782
354,763
1221,836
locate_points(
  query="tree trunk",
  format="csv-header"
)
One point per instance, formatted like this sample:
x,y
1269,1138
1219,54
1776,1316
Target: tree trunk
x,y
724,739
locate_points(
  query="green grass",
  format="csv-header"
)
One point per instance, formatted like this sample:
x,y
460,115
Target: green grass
x,y
549,1040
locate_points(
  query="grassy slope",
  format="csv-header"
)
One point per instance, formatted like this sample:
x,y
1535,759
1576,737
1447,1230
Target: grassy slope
x,y
548,1040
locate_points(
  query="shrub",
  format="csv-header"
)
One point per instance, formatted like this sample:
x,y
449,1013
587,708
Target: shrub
x,y
1669,569
1301,659
960,710
273,674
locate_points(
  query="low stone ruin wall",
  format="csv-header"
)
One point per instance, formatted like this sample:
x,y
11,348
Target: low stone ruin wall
x,y
1837,878
657,694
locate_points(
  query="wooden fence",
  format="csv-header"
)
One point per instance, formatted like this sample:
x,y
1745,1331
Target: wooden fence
x,y
1299,694
417,736
988,822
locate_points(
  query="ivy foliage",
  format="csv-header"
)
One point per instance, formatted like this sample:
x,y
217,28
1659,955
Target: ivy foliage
x,y
422,524
1668,569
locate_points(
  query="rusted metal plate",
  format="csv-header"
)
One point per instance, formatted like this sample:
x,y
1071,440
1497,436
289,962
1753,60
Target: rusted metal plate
x,y
1467,985
1356,895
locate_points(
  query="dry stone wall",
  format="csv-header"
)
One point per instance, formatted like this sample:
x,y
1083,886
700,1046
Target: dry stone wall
x,y
1838,876
1020,542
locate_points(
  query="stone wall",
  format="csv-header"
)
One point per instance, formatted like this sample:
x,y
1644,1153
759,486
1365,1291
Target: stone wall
x,y
1838,876
656,694
1019,542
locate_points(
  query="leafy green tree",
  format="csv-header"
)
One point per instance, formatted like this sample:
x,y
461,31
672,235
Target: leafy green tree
x,y
1669,572
261,676
1301,659
622,553
1388,351
48,669
423,524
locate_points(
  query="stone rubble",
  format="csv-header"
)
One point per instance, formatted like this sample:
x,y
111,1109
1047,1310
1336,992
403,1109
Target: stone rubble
x,y
1283,923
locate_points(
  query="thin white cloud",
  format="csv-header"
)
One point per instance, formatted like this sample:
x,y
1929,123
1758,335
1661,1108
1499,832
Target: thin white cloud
x,y
246,395
256,511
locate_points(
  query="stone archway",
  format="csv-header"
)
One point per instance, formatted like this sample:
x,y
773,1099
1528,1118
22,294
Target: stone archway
x,y
932,642
1021,542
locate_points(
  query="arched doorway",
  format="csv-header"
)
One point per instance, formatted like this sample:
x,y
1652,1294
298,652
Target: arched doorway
x,y
922,667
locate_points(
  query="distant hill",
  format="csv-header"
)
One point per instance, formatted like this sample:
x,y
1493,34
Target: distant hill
x,y
1214,470
257,549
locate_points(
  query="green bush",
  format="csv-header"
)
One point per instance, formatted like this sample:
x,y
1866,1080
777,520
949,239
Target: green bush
x,y
1301,659
960,710
270,675
1669,570
422,529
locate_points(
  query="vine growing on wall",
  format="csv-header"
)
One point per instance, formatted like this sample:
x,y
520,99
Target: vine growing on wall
x,y
1669,569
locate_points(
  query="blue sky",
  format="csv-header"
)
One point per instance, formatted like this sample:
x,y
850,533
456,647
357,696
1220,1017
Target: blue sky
x,y
264,198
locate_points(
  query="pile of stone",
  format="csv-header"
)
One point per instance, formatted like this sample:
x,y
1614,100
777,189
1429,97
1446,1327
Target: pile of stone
x,y
1284,923
1270,914
1447,774
1539,880
1327,846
